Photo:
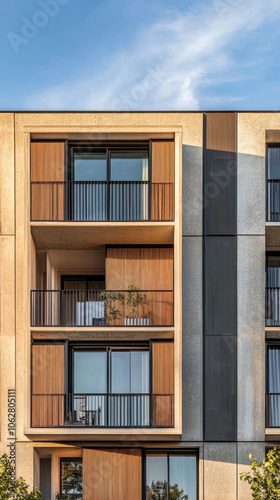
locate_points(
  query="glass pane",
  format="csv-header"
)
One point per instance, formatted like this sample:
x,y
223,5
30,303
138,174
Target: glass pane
x,y
120,372
90,372
96,285
90,167
130,166
71,479
156,477
182,477
140,372
74,285
273,163
273,271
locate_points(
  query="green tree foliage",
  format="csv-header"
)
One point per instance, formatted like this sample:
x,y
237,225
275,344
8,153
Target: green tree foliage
x,y
14,489
158,491
264,478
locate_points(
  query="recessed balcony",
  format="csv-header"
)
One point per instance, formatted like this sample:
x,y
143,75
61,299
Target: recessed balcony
x,y
97,308
102,201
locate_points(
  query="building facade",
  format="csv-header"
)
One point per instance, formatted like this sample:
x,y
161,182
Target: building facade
x,y
140,301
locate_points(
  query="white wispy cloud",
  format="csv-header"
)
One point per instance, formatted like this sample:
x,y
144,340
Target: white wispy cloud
x,y
169,61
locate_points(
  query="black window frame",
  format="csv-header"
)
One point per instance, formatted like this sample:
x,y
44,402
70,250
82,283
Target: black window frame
x,y
108,349
81,277
69,459
108,149
168,452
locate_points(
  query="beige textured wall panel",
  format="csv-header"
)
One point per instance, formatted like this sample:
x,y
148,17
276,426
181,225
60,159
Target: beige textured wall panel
x,y
7,212
25,462
23,283
251,131
243,451
103,123
220,471
7,338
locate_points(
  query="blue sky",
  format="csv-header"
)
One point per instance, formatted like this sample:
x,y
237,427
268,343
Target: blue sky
x,y
139,55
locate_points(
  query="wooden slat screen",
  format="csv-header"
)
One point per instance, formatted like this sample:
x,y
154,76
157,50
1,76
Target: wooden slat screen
x,y
163,164
147,269
221,132
47,379
47,166
163,383
112,474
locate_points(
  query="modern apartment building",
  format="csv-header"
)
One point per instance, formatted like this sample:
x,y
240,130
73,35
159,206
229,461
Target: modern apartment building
x,y
140,301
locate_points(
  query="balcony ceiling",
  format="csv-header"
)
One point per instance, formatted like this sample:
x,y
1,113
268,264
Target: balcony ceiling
x,y
83,236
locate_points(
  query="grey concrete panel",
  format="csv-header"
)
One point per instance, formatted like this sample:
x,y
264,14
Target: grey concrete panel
x,y
251,188
220,388
251,337
45,478
220,285
243,451
192,340
192,175
220,187
220,471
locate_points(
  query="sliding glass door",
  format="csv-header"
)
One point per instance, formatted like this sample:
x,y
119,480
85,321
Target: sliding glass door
x,y
108,185
130,400
273,290
170,476
111,387
90,387
273,386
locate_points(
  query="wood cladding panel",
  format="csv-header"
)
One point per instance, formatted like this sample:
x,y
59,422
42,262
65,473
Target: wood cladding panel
x,y
145,267
221,132
162,189
112,474
47,161
163,383
163,161
47,168
47,385
149,269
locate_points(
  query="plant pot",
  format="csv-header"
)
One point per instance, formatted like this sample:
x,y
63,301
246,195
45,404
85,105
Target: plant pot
x,y
136,321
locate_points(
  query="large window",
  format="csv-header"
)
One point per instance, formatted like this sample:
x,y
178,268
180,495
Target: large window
x,y
120,399
108,184
273,184
273,385
71,479
273,289
171,476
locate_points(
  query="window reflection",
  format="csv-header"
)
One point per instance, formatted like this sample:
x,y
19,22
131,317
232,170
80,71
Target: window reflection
x,y
171,476
71,476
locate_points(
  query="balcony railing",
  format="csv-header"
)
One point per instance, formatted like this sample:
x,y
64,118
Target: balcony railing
x,y
273,200
272,306
102,410
102,201
272,410
101,308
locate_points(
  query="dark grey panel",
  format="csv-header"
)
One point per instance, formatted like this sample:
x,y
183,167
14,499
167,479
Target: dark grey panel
x,y
45,478
220,388
220,216
220,285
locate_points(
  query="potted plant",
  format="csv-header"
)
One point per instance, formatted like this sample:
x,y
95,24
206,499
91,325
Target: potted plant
x,y
109,298
134,299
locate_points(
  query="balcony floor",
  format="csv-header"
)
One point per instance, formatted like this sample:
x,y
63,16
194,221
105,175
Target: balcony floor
x,y
102,333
